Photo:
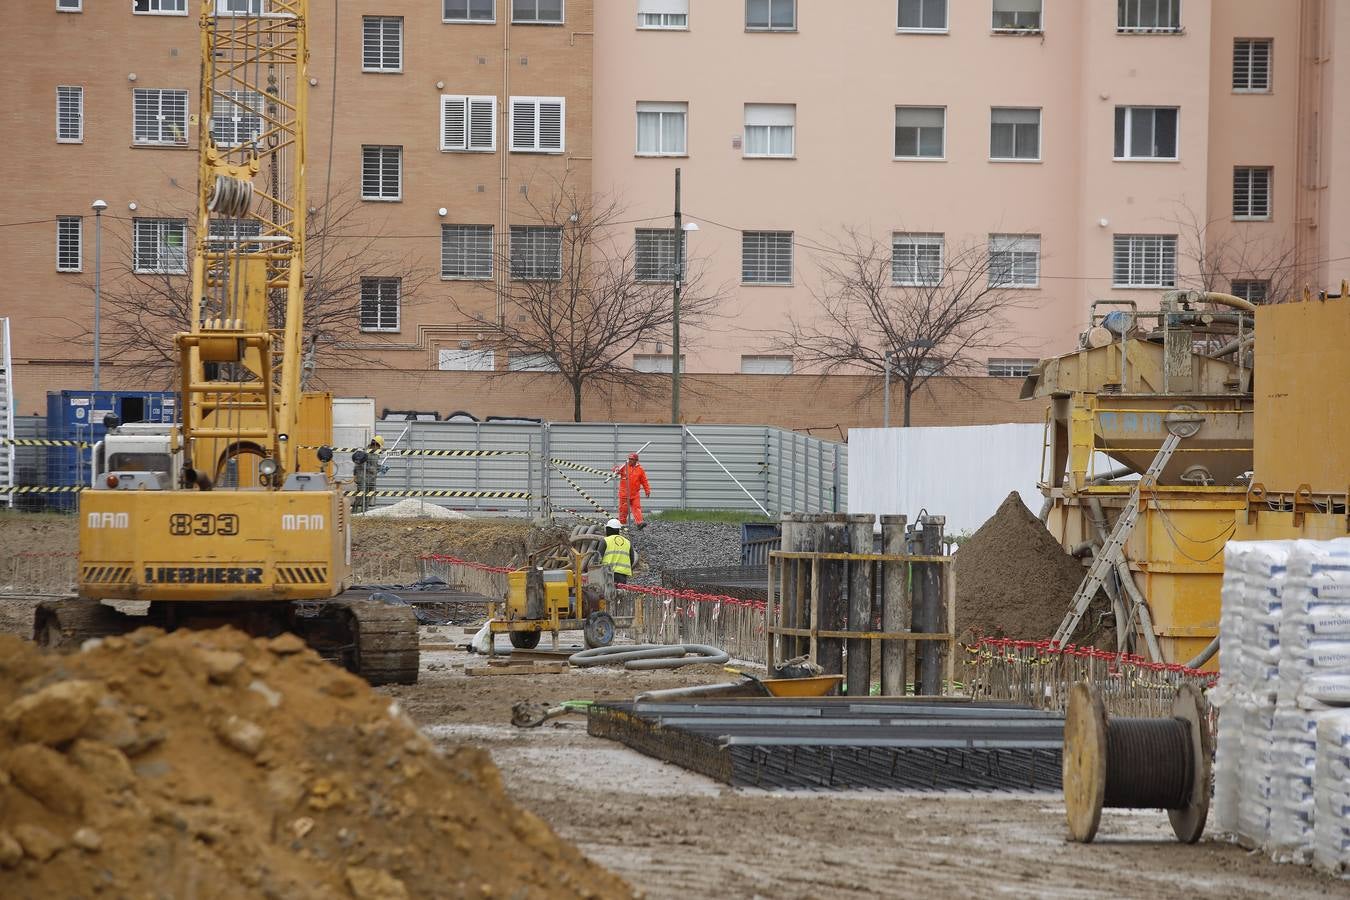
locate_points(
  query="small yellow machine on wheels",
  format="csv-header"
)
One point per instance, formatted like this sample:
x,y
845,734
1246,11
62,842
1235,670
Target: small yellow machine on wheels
x,y
563,588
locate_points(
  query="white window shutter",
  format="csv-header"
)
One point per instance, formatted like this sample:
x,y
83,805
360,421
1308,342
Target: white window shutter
x,y
551,125
522,125
453,124
483,123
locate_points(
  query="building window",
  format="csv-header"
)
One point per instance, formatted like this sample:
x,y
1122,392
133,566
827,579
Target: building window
x,y
663,14
1017,15
71,6
236,118
382,44
536,252
381,173
1014,133
766,365
770,129
1253,290
654,254
766,257
160,7
537,124
69,232
920,132
468,123
531,362
1010,368
1146,132
1148,15
229,235
240,7
537,12
916,259
159,116
1144,261
922,15
1251,192
466,252
159,246
479,11
770,15
1251,65
468,361
1014,260
69,114
657,363
661,128
380,304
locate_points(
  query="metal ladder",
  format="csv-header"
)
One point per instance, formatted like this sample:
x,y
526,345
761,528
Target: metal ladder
x,y
6,416
1112,553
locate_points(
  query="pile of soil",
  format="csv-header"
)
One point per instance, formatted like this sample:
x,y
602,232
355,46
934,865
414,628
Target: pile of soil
x,y
498,542
209,764
1014,580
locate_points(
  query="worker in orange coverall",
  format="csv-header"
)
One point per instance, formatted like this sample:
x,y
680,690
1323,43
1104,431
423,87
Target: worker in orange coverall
x,y
632,479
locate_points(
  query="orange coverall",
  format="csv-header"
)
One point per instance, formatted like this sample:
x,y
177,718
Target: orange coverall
x,y
632,479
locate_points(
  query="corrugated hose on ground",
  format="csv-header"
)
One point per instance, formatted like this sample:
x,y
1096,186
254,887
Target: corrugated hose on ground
x,y
650,656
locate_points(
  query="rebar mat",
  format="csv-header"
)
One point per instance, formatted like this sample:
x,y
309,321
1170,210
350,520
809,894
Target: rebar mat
x,y
838,743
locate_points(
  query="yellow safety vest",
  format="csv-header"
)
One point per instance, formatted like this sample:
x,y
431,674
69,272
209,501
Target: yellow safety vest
x,y
618,554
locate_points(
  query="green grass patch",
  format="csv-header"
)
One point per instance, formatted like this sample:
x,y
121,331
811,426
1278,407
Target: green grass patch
x,y
731,516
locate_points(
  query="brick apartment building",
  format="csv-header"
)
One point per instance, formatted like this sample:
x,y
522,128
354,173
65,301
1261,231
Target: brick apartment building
x,y
1078,141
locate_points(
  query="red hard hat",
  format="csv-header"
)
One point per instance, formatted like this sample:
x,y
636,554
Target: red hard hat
x,y
633,457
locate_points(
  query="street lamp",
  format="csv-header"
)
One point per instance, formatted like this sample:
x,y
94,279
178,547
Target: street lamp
x,y
98,207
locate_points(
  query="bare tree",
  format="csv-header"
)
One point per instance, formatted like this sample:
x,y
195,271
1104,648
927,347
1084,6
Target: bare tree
x,y
578,300
143,307
1221,252
942,312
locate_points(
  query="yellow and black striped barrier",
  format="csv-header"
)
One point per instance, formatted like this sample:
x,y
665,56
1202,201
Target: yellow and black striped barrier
x,y
44,442
585,496
42,489
485,495
430,452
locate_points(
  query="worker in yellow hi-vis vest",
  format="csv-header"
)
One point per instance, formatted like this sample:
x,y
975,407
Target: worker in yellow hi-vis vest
x,y
619,553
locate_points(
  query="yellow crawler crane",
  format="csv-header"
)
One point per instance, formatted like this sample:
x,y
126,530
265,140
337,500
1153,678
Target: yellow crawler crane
x,y
225,518
1149,438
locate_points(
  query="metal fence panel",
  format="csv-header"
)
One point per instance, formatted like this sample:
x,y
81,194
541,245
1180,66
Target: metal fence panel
x,y
566,467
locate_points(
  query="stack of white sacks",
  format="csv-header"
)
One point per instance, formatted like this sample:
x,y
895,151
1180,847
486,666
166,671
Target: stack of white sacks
x,y
1283,747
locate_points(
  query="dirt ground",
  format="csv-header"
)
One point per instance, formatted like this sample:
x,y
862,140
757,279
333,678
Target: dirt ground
x,y
673,834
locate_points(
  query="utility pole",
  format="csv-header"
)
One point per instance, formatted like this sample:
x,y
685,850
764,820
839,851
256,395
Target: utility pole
x,y
675,330
98,207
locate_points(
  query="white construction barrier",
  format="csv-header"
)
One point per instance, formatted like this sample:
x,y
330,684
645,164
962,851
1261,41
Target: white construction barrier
x,y
963,473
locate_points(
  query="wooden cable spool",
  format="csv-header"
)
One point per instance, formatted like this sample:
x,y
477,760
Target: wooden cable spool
x,y
1121,763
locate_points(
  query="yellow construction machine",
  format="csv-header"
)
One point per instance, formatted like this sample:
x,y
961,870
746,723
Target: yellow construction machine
x,y
230,516
562,588
1173,431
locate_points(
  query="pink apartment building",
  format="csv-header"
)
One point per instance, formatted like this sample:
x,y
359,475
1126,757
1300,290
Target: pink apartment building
x,y
1081,139
1066,136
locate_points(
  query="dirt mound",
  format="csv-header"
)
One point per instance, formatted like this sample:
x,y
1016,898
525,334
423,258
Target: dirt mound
x,y
498,542
1014,580
212,765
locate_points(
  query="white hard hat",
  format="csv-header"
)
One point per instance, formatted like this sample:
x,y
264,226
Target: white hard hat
x,y
613,523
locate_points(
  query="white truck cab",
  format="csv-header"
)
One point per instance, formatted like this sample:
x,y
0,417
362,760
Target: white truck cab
x,y
138,456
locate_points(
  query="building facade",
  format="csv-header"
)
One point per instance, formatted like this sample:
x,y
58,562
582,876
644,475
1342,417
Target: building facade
x,y
1084,150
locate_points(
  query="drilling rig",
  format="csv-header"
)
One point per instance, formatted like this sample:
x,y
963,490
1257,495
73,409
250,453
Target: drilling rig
x,y
229,517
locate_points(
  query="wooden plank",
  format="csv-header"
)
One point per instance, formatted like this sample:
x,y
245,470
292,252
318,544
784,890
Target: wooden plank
x,y
537,669
432,647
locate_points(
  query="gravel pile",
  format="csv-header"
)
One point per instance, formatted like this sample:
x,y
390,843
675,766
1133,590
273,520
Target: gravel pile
x,y
413,509
684,545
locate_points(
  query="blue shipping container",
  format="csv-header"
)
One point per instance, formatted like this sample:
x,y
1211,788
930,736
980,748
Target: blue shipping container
x,y
78,416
